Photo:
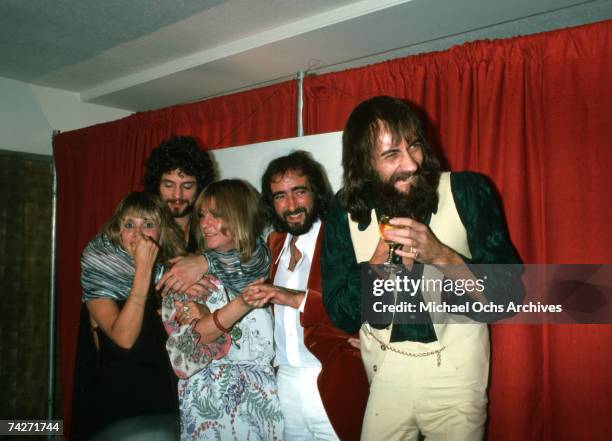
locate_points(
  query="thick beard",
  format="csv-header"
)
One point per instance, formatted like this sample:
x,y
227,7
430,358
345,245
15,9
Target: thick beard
x,y
182,213
295,229
417,204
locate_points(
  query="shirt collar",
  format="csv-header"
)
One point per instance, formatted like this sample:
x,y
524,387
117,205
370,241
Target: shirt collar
x,y
305,242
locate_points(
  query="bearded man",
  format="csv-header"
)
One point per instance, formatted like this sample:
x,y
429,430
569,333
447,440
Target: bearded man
x,y
177,171
322,385
428,378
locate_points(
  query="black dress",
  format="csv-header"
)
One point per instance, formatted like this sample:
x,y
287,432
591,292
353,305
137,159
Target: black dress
x,y
124,383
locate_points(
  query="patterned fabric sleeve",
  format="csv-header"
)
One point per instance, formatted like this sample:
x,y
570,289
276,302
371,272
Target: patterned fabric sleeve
x,y
187,354
493,255
340,272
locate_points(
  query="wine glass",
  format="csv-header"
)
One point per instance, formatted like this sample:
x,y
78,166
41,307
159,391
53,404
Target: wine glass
x,y
383,225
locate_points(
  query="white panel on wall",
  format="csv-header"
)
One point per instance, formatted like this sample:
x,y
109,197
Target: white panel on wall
x,y
250,161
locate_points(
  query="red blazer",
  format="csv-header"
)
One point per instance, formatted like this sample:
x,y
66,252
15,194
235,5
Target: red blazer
x,y
342,383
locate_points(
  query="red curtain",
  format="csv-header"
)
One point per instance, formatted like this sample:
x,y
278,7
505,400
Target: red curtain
x,y
98,165
534,114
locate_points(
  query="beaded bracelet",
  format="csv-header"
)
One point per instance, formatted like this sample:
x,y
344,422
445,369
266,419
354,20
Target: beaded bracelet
x,y
218,324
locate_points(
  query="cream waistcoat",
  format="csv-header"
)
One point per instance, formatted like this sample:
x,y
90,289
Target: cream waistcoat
x,y
458,339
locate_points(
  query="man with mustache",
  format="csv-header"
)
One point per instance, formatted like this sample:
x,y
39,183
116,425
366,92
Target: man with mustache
x,y
177,171
321,382
426,377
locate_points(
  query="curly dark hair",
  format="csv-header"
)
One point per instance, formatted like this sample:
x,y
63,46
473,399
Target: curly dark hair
x,y
178,153
359,140
302,163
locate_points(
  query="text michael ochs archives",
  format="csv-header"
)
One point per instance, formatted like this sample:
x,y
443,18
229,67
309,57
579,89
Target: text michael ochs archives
x,y
404,289
486,293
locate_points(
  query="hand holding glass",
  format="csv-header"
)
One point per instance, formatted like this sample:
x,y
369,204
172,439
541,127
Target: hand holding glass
x,y
383,225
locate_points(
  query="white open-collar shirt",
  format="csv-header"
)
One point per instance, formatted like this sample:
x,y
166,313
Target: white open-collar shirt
x,y
288,332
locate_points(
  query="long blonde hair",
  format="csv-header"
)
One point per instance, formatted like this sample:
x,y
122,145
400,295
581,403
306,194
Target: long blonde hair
x,y
237,204
145,205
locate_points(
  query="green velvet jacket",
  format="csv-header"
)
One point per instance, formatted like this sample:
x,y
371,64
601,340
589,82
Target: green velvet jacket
x,y
480,213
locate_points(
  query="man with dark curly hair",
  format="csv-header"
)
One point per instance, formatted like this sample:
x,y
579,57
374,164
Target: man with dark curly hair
x,y
177,171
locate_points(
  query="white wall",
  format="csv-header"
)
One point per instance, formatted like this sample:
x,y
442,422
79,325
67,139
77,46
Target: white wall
x,y
250,161
29,114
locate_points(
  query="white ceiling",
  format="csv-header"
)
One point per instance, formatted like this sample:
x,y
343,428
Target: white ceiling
x,y
146,54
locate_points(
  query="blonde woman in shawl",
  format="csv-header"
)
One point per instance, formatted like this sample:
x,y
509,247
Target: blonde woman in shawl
x,y
133,376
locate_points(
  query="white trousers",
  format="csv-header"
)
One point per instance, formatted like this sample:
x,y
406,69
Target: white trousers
x,y
305,417
409,395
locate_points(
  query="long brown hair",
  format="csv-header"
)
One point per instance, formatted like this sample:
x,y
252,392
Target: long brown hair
x,y
359,140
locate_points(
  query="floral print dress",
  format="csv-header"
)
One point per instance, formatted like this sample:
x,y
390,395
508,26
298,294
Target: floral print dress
x,y
235,397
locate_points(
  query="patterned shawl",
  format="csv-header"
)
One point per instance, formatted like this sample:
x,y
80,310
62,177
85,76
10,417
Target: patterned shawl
x,y
233,273
107,270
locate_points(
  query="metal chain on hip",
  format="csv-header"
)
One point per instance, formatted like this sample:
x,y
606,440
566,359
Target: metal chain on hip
x,y
384,346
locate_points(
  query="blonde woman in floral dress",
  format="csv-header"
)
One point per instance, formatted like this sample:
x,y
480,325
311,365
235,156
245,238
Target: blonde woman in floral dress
x,y
229,392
